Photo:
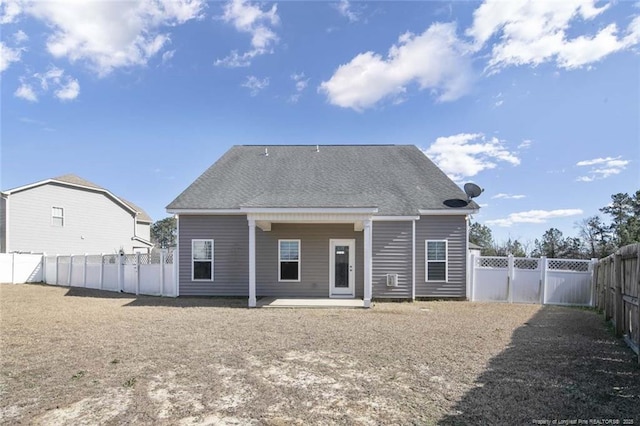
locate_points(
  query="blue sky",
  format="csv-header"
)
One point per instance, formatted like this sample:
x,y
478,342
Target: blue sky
x,y
537,102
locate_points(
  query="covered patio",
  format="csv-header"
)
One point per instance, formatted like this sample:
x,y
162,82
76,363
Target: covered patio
x,y
359,217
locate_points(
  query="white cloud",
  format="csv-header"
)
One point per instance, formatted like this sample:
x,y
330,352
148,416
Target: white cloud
x,y
533,216
250,18
65,87
533,32
525,144
369,78
508,33
596,161
26,92
255,85
499,100
10,10
167,56
346,10
301,81
8,56
20,37
508,196
68,90
467,154
601,168
301,85
109,35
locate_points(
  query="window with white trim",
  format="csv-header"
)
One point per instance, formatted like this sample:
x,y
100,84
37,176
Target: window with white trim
x,y
436,268
202,260
57,216
289,260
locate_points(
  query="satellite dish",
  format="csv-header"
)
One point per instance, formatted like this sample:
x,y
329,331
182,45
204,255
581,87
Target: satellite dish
x,y
472,190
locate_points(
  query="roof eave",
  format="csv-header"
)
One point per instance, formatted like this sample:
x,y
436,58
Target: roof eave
x,y
442,212
74,185
245,210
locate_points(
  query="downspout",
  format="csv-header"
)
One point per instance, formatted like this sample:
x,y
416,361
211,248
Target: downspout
x,y
6,223
135,233
176,257
468,258
413,260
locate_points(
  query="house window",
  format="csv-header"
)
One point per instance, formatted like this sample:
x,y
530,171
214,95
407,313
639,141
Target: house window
x,y
202,260
436,260
288,260
57,216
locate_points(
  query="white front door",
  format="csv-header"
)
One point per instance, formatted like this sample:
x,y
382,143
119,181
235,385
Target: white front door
x,y
342,270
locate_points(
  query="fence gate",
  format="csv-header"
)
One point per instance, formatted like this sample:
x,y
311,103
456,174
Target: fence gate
x,y
527,280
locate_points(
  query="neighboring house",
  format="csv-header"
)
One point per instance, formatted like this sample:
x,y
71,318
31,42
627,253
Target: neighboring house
x,y
474,249
363,221
69,215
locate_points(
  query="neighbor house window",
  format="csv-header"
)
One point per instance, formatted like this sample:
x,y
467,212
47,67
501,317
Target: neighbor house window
x,y
202,260
436,264
57,216
289,260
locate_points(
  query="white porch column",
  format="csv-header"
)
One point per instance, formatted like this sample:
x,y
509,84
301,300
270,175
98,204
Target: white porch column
x,y
252,263
368,254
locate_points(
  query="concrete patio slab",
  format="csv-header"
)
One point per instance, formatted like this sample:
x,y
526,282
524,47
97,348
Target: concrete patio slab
x,y
273,302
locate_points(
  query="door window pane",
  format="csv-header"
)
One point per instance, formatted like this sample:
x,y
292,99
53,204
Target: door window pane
x,y
341,266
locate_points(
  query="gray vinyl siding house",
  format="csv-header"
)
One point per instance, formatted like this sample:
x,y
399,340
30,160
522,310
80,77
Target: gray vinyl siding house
x,y
345,221
69,215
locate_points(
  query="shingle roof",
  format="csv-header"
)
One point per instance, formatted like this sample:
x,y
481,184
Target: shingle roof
x,y
77,180
397,179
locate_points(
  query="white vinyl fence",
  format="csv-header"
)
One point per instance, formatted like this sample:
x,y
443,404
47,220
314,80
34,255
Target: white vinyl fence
x,y
20,268
150,274
532,280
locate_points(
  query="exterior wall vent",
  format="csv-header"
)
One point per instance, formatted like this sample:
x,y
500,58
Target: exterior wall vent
x,y
392,280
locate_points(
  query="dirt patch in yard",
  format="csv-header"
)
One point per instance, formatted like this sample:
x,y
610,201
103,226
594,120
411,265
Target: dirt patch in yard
x,y
73,356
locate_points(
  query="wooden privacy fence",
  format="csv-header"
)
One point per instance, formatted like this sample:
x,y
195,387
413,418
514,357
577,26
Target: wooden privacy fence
x,y
531,280
149,274
617,289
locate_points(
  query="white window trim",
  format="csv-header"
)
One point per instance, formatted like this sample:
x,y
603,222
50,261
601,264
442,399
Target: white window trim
x,y
53,216
200,260
280,260
427,261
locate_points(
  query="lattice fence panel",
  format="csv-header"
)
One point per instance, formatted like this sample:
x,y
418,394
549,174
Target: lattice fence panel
x,y
110,259
77,260
155,258
568,265
64,259
129,259
168,258
530,264
145,259
492,262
